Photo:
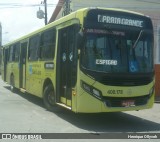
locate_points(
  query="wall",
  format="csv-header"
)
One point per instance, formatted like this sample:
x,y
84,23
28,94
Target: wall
x,y
157,65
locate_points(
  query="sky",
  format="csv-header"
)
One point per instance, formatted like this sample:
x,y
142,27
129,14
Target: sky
x,y
19,17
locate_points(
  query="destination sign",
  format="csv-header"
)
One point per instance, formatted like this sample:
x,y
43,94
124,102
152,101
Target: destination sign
x,y
120,21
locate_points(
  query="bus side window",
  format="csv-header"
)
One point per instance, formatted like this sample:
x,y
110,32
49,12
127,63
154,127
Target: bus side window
x,y
7,54
48,44
16,51
11,54
34,48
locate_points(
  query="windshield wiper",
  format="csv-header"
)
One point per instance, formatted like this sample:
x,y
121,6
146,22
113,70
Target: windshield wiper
x,y
138,38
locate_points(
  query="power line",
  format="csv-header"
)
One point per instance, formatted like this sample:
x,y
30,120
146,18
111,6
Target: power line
x,y
79,5
2,6
16,5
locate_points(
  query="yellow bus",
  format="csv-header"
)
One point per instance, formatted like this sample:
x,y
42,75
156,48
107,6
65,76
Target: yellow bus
x,y
92,60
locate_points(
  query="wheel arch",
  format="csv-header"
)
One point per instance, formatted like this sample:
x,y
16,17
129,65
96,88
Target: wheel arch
x,y
47,82
48,87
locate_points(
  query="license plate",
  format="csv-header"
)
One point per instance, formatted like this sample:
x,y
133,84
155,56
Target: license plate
x,y
128,103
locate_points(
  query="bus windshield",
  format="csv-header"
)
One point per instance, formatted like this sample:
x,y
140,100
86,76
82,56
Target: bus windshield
x,y
115,51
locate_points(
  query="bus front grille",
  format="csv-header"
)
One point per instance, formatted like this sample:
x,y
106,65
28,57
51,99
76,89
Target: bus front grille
x,y
117,81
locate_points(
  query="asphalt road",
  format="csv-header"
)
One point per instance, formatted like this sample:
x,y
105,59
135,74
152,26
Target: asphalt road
x,y
24,113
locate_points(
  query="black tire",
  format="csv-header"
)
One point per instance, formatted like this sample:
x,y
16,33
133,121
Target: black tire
x,y
12,84
49,99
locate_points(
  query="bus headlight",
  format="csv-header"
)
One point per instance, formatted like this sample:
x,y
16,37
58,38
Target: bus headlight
x,y
91,90
86,87
97,93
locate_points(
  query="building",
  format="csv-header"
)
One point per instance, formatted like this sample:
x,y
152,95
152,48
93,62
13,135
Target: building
x,y
147,7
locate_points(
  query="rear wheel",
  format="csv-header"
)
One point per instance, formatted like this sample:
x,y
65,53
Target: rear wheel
x,y
49,98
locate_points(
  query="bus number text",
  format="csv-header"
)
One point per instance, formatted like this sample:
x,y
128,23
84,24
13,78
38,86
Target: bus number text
x,y
115,91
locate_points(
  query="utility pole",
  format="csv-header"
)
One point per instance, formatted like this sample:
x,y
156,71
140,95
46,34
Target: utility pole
x,y
66,8
43,14
45,7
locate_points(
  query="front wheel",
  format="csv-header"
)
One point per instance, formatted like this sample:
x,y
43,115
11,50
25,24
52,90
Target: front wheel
x,y
49,98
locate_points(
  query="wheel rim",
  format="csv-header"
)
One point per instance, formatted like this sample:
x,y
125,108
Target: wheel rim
x,y
12,87
12,83
51,98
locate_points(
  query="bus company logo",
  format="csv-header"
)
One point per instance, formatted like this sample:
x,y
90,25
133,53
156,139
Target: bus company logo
x,y
6,136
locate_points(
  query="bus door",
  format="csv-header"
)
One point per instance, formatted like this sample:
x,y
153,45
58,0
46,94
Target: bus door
x,y
22,65
66,64
5,60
